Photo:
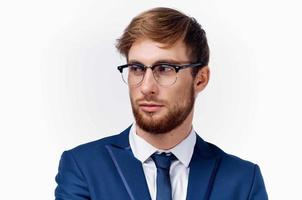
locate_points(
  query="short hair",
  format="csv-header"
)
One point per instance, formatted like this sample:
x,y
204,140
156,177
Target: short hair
x,y
166,25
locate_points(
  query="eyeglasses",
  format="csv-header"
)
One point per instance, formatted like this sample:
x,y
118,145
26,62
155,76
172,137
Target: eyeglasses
x,y
165,74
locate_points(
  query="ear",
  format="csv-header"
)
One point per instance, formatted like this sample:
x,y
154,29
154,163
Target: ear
x,y
201,79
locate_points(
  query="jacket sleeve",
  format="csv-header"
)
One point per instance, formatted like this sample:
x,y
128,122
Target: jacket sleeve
x,y
258,191
71,184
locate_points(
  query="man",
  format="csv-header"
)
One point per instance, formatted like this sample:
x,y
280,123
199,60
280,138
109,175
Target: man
x,y
159,157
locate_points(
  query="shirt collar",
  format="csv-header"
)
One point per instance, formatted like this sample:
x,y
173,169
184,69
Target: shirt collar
x,y
142,150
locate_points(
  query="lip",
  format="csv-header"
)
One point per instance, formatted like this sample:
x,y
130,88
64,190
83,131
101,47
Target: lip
x,y
150,107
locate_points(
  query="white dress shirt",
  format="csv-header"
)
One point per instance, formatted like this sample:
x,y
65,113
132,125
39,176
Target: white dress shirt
x,y
179,171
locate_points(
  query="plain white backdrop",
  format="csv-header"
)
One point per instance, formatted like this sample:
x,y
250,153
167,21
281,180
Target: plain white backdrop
x,y
59,86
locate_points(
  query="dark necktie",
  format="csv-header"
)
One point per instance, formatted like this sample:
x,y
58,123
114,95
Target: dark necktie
x,y
163,183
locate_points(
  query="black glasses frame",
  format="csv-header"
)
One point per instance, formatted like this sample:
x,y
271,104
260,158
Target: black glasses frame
x,y
175,66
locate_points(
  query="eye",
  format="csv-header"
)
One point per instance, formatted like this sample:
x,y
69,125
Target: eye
x,y
165,69
136,69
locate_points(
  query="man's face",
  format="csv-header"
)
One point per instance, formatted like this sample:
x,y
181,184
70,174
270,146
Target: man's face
x,y
159,109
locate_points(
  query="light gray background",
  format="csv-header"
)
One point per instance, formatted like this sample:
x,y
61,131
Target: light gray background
x,y
59,86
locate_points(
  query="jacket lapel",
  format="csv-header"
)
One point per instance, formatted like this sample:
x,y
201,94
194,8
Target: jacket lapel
x,y
203,169
129,168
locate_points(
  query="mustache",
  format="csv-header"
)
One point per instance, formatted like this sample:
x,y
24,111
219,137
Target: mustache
x,y
150,100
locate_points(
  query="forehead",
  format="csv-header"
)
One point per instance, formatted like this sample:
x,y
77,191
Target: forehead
x,y
148,51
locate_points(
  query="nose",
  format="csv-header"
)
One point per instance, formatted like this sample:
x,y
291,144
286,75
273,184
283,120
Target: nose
x,y
149,85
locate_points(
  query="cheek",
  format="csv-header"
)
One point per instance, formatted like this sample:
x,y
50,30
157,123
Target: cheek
x,y
185,94
132,96
133,93
183,89
179,96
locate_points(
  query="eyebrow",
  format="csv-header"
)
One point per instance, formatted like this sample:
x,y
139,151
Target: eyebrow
x,y
171,61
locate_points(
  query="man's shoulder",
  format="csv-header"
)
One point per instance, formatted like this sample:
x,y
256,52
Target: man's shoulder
x,y
235,172
232,163
209,150
98,147
95,144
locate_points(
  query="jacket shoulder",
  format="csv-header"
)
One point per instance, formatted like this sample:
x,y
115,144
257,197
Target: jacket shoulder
x,y
96,143
238,178
233,167
94,147
120,139
230,159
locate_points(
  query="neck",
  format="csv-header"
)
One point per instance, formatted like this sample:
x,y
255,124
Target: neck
x,y
170,139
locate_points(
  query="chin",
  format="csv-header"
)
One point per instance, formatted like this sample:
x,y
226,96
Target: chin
x,y
154,116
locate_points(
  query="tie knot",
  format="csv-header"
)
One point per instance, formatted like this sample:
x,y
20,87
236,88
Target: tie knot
x,y
163,160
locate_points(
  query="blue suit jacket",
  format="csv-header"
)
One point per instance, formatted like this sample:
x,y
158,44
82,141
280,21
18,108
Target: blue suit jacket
x,y
107,170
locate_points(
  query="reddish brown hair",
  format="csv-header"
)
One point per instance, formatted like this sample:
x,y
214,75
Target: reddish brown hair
x,y
166,25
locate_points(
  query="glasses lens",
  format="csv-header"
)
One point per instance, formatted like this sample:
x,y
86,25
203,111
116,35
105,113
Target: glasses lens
x,y
133,74
165,74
